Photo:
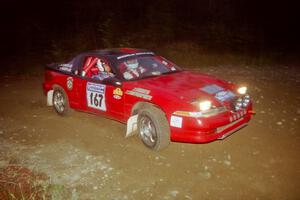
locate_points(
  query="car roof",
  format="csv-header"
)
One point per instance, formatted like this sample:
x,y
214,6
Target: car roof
x,y
117,52
113,55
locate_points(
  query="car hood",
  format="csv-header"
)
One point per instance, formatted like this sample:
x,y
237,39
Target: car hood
x,y
185,85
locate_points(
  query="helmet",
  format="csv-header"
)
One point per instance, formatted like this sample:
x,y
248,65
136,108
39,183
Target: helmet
x,y
106,67
132,64
100,65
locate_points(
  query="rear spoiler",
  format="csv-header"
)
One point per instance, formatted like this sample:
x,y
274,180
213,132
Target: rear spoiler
x,y
53,65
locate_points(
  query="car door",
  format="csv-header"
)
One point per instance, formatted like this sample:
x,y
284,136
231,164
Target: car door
x,y
73,84
102,97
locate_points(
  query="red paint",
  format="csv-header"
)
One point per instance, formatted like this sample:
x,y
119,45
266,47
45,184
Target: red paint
x,y
170,92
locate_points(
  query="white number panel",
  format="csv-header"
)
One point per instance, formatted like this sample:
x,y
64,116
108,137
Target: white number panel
x,y
95,94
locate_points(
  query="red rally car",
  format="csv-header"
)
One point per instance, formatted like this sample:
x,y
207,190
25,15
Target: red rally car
x,y
155,98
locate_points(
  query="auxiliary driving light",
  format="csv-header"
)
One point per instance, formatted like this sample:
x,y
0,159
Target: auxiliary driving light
x,y
246,100
242,90
238,104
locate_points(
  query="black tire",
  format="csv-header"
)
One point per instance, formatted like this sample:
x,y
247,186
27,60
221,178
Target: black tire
x,y
60,101
158,136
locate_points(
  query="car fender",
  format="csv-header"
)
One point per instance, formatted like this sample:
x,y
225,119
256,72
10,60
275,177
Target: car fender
x,y
132,121
50,95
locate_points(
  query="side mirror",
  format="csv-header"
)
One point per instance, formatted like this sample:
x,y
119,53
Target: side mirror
x,y
112,81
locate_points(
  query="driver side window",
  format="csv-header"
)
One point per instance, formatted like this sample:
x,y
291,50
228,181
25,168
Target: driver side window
x,y
96,68
88,64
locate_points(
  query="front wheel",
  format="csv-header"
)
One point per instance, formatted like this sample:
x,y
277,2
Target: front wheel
x,y
60,101
153,128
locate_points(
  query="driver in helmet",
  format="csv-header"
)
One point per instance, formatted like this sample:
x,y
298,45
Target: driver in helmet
x,y
133,70
104,71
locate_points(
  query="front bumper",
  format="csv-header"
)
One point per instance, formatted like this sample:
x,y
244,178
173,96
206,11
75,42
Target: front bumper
x,y
219,127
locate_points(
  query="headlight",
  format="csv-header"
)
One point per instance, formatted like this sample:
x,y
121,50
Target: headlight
x,y
205,105
206,110
242,90
188,114
207,113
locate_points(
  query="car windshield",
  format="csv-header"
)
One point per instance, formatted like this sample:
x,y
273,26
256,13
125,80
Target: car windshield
x,y
145,66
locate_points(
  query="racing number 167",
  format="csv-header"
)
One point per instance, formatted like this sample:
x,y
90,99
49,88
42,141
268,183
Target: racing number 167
x,y
96,99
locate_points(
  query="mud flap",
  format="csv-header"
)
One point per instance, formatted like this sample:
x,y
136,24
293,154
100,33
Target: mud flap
x,y
131,126
49,98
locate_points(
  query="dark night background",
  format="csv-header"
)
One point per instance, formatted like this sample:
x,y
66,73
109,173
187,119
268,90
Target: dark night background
x,y
250,31
253,43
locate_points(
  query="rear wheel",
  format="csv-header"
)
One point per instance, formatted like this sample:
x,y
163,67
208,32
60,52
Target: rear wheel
x,y
60,101
153,128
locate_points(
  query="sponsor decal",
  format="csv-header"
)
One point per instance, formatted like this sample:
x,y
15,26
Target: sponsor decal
x,y
220,93
212,89
224,95
66,67
96,96
70,83
176,121
117,93
135,54
117,97
140,92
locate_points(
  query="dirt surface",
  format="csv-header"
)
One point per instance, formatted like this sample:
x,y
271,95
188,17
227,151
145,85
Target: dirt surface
x,y
89,155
